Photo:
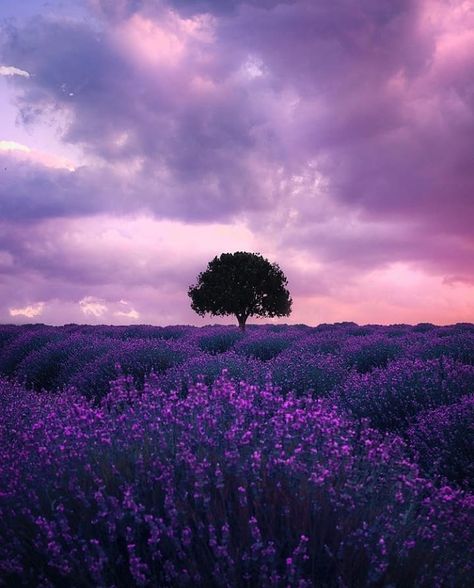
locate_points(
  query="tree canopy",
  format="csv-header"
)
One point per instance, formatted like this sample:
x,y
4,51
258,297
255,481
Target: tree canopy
x,y
241,284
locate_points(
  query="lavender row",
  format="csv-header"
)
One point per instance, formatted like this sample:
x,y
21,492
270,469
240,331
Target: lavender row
x,y
54,357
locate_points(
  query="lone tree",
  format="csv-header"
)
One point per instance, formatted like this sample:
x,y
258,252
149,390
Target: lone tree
x,y
242,284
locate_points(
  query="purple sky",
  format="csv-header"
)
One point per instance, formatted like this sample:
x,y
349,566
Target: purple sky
x,y
140,138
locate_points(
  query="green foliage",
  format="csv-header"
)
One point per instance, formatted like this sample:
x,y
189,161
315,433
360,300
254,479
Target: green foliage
x,y
241,284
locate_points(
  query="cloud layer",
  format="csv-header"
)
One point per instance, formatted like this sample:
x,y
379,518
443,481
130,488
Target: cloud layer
x,y
334,136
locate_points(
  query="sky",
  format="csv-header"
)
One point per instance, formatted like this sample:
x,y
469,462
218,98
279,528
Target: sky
x,y
141,138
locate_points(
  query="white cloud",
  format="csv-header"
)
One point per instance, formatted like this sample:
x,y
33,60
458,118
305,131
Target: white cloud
x,y
13,146
29,311
93,306
132,313
19,150
9,70
252,68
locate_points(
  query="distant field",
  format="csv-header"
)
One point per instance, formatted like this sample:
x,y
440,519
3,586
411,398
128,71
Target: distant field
x,y
338,456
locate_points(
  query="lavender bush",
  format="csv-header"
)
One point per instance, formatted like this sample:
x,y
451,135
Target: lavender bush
x,y
442,440
208,367
136,357
27,341
264,345
217,339
390,398
225,487
369,351
454,344
305,373
53,365
7,333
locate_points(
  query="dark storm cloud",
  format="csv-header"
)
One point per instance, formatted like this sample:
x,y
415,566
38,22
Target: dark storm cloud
x,y
208,111
199,153
30,191
113,9
82,256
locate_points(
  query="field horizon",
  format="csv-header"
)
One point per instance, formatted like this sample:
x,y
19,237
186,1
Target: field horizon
x,y
232,324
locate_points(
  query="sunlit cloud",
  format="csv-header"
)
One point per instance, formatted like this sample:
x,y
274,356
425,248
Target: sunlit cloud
x,y
127,314
93,306
20,150
13,146
131,314
9,70
30,311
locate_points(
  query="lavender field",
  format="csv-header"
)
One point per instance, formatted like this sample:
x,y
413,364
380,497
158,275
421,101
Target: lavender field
x,y
330,456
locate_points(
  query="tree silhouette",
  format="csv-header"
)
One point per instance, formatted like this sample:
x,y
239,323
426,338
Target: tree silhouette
x,y
241,284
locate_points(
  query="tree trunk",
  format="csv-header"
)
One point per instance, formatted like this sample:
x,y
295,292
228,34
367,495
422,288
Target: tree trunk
x,y
242,319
